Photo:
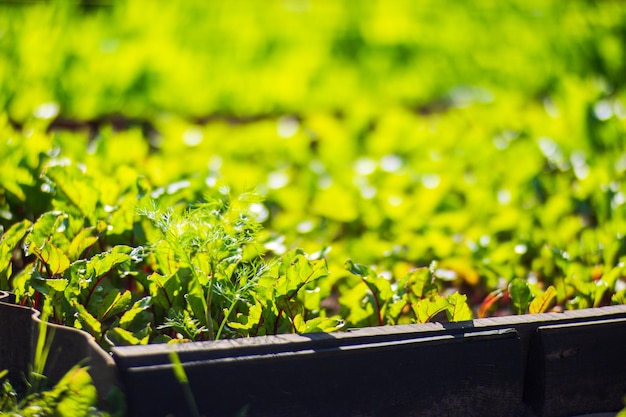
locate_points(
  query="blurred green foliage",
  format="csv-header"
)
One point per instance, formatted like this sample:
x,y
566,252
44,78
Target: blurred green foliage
x,y
199,57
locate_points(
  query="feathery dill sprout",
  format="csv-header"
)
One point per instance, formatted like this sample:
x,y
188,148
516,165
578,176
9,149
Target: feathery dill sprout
x,y
218,229
216,241
182,323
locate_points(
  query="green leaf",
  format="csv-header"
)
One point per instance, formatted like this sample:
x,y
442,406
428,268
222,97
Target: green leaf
x,y
359,269
48,286
84,239
114,303
87,321
619,297
598,295
139,306
53,257
76,190
291,307
397,309
163,288
458,310
420,283
22,283
542,302
196,301
75,392
298,271
247,321
10,240
121,336
299,324
520,295
425,310
103,262
43,229
78,278
318,324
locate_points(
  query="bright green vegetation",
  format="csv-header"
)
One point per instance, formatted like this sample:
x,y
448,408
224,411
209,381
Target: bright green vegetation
x,y
73,395
177,171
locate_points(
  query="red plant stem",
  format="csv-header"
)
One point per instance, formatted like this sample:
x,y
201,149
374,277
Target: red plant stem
x,y
93,289
166,297
280,314
376,302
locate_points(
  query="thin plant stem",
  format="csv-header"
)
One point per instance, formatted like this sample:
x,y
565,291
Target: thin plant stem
x,y
181,377
226,316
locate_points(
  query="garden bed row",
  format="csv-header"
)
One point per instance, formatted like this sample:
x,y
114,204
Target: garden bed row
x,y
546,365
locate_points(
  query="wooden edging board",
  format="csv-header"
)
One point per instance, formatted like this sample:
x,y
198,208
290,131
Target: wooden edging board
x,y
507,366
544,365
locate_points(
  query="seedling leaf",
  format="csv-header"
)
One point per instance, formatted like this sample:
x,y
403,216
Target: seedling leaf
x,y
82,241
139,306
542,302
87,321
520,295
426,309
76,392
10,239
115,302
54,257
458,310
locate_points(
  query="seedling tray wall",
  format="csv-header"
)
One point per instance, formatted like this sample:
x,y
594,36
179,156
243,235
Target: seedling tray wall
x,y
544,365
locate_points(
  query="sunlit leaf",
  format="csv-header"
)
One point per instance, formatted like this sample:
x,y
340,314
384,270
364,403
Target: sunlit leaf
x,y
247,321
115,302
520,295
140,305
87,321
53,257
420,282
43,229
83,240
103,262
458,310
76,393
76,189
8,243
321,324
542,302
47,286
162,289
121,336
425,310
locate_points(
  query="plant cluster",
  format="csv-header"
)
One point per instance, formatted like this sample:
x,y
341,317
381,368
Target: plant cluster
x,y
396,175
89,59
198,273
73,395
136,247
